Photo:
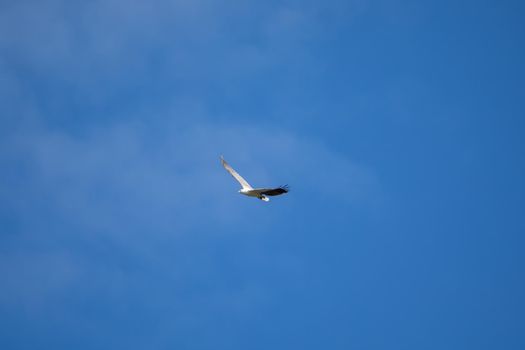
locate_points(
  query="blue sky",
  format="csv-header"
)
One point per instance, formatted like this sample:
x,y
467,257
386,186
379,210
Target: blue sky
x,y
398,125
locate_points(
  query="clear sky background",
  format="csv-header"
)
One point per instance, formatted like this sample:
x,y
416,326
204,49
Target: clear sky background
x,y
399,126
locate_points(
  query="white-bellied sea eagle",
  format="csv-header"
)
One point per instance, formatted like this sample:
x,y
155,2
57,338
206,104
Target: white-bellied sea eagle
x,y
248,190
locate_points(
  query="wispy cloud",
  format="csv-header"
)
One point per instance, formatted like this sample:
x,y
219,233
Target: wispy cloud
x,y
138,190
111,181
137,171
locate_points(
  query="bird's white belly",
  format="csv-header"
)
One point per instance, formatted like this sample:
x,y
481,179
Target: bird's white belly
x,y
249,193
254,193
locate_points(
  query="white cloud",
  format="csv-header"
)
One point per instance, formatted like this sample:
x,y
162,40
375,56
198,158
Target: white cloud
x,y
145,182
139,189
107,39
135,175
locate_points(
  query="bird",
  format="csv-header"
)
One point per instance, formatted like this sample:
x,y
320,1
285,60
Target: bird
x,y
248,190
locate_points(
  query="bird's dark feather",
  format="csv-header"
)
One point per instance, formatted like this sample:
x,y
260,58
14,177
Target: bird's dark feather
x,y
276,191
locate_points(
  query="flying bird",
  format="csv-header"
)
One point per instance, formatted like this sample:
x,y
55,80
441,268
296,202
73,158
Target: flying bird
x,y
248,190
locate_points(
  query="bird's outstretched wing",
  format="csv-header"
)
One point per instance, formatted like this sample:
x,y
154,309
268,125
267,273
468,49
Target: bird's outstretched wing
x,y
239,178
273,191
